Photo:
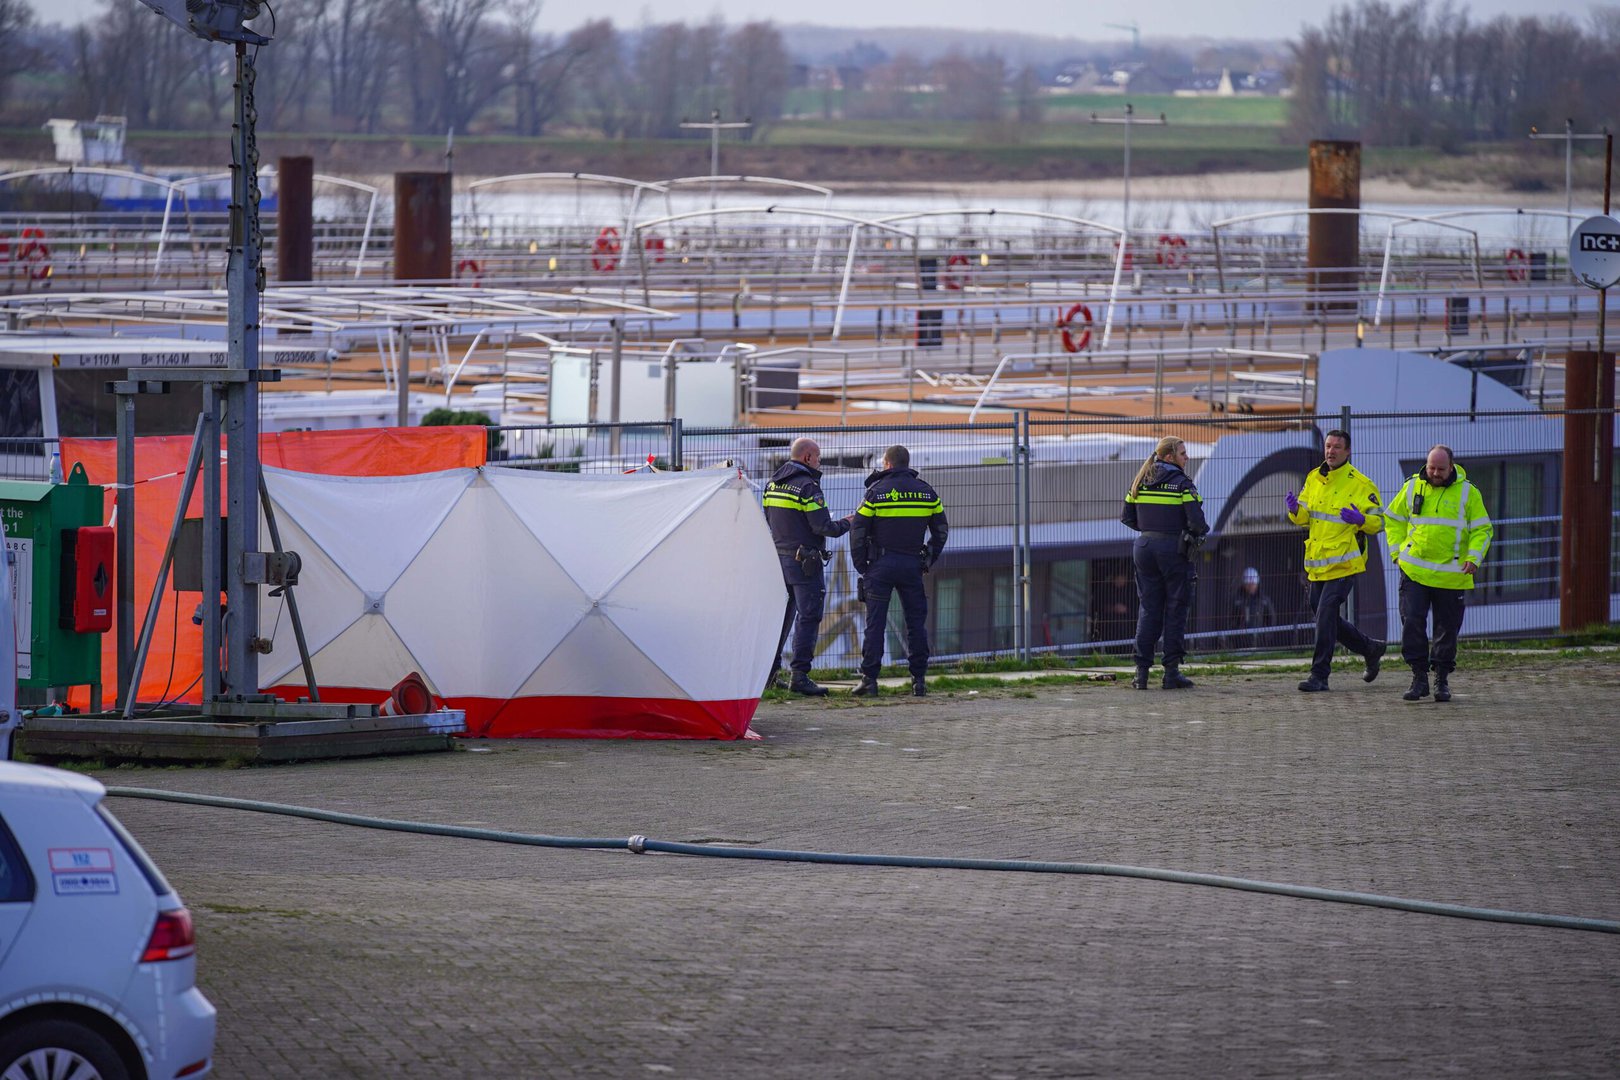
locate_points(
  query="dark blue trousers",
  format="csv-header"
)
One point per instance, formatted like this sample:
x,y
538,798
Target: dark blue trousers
x,y
896,572
1417,601
1166,583
1327,597
806,593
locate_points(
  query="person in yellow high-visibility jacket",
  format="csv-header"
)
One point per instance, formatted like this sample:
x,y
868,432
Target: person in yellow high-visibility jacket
x,y
1340,508
1438,535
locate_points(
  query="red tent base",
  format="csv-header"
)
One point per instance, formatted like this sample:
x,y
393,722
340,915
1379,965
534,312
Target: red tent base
x,y
577,717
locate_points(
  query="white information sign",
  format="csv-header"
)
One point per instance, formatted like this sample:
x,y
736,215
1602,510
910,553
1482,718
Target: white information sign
x,y
22,587
1594,252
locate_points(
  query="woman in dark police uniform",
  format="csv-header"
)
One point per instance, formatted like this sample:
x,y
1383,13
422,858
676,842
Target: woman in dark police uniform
x,y
1165,508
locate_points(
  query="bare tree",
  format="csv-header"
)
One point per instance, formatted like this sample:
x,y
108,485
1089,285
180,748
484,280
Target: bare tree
x,y
356,51
677,67
602,84
136,63
970,87
756,69
16,55
286,82
460,61
891,90
1029,105
1407,74
542,66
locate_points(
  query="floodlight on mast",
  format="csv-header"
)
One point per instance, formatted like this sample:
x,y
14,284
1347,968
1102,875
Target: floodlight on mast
x,y
213,20
230,407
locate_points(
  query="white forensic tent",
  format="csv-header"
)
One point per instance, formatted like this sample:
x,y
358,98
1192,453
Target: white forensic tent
x,y
544,604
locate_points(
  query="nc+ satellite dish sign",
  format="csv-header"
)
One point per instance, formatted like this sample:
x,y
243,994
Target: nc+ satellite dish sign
x,y
1594,252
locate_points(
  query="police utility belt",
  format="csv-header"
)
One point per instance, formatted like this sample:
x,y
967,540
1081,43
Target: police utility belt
x,y
807,556
1189,541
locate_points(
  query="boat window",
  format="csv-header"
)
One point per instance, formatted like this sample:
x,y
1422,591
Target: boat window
x,y
1068,600
20,416
84,408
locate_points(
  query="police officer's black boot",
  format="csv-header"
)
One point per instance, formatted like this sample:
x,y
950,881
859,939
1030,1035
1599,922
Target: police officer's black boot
x,y
1140,679
801,684
1442,689
919,686
1375,659
1420,687
1174,679
867,687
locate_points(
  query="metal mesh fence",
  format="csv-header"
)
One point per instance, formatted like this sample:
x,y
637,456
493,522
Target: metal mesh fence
x,y
1038,561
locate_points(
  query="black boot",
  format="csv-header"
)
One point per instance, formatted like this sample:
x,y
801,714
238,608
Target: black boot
x,y
1140,679
1375,659
1419,688
1313,685
1442,689
919,687
867,687
1174,679
801,684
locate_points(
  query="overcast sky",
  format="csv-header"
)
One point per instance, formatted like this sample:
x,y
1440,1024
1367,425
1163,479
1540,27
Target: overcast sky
x,y
1072,18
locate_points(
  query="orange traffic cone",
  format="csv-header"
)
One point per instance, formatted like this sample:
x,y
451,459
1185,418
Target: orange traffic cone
x,y
409,697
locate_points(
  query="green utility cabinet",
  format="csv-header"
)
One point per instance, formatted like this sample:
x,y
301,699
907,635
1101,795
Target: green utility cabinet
x,y
61,576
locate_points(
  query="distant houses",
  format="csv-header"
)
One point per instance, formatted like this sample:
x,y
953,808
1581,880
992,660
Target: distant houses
x,y
1083,77
1069,77
1229,83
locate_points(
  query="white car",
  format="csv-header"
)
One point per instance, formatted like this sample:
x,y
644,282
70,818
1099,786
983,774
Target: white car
x,y
98,964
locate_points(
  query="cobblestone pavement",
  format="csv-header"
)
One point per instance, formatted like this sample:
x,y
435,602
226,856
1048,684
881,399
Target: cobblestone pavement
x,y
333,951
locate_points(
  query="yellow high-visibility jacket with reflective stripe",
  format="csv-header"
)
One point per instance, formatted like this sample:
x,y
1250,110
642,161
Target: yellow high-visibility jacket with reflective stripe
x,y
1334,548
1434,530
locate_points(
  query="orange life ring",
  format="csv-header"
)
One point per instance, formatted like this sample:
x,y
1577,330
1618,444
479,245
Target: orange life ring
x,y
1518,264
1071,343
1172,251
654,246
470,268
35,253
605,250
951,280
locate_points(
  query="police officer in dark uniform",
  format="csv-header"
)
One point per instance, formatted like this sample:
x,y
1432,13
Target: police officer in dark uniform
x,y
890,553
1165,508
796,511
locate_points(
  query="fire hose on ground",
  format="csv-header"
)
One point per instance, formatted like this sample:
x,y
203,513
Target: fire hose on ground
x,y
642,845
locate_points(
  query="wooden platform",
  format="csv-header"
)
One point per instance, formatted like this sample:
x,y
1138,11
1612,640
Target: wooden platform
x,y
176,735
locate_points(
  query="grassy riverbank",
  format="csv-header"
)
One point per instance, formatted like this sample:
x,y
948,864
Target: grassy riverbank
x,y
1201,136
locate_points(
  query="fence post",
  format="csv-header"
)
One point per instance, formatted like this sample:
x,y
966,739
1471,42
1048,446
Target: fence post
x,y
1026,450
617,368
1017,548
676,458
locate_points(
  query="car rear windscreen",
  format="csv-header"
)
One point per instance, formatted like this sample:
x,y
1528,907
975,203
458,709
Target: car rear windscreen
x,y
149,870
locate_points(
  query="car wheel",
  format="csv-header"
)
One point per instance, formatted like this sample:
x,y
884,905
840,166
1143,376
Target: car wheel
x,y
48,1049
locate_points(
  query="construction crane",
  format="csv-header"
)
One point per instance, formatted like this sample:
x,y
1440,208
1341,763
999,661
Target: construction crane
x,y
1134,30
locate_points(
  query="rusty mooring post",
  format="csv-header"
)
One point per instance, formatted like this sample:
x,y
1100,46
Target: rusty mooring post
x,y
1333,252
1583,563
422,226
295,219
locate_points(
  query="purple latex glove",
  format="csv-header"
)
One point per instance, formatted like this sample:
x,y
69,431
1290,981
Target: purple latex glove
x,y
1350,515
1293,502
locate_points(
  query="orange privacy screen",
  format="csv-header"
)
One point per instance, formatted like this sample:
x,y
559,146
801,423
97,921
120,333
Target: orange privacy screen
x,y
174,660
